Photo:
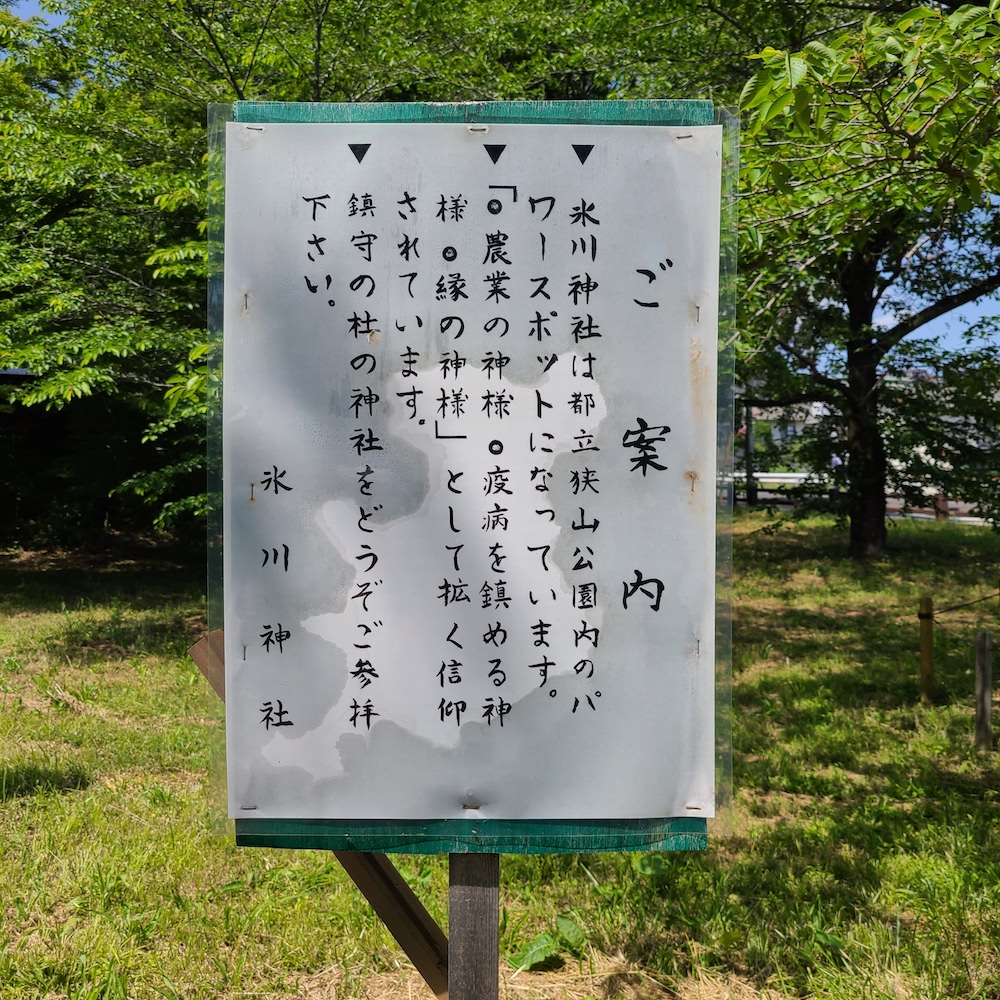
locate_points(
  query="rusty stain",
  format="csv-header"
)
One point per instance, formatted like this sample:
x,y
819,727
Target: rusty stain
x,y
693,477
699,374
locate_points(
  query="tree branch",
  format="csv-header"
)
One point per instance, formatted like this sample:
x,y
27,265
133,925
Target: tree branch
x,y
206,26
891,338
815,375
260,38
57,213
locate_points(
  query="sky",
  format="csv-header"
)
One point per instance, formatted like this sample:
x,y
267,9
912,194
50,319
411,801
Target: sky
x,y
949,327
30,8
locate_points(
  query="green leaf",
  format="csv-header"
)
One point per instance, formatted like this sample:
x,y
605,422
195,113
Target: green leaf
x,y
763,84
729,939
775,108
540,949
571,932
968,18
822,54
917,14
802,109
797,70
780,175
829,941
654,865
749,89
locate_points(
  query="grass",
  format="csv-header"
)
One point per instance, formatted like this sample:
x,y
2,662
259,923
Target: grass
x,y
863,859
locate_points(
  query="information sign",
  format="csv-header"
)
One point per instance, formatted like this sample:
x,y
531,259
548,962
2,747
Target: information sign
x,y
469,454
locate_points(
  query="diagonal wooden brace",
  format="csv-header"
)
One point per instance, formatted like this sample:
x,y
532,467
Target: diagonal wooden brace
x,y
405,917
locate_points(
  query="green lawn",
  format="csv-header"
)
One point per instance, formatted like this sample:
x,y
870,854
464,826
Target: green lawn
x,y
863,858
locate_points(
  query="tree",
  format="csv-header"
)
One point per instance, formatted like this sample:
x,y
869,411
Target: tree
x,y
78,305
871,174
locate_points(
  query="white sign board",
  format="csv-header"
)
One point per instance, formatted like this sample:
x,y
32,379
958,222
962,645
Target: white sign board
x,y
469,463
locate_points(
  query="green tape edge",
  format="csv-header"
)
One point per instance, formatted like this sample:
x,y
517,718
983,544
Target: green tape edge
x,y
488,112
460,836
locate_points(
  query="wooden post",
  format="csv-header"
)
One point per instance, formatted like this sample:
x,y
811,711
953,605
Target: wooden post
x,y
473,926
984,690
749,447
926,616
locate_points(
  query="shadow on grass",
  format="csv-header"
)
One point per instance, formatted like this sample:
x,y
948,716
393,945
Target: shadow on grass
x,y
929,549
68,582
113,608
31,779
792,894
864,660
122,633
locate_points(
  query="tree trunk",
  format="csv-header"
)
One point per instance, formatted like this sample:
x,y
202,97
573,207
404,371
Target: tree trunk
x,y
866,466
867,508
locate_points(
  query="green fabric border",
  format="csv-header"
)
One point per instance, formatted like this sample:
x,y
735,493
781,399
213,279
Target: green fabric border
x,y
493,112
462,836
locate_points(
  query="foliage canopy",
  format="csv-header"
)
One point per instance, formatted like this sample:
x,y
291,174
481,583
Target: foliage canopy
x,y
871,172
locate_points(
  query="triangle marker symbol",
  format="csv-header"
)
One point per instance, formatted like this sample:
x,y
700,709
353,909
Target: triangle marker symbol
x,y
582,152
494,151
359,149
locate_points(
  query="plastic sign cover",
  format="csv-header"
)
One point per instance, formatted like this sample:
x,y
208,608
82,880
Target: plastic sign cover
x,y
469,463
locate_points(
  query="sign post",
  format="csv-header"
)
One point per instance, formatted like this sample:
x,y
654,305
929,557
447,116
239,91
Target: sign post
x,y
473,917
469,456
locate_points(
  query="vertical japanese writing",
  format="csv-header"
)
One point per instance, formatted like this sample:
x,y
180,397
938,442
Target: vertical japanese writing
x,y
475,511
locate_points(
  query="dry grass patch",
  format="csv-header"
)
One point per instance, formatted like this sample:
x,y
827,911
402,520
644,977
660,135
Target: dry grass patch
x,y
597,977
600,977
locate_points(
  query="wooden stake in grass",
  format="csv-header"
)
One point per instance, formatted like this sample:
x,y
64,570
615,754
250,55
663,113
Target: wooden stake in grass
x,y
926,616
748,456
984,690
